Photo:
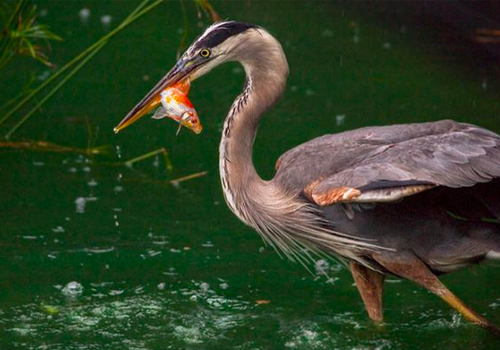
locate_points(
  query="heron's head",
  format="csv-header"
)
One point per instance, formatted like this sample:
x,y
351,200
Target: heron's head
x,y
222,42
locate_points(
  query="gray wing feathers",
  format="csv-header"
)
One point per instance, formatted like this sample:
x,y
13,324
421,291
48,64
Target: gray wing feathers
x,y
453,160
444,153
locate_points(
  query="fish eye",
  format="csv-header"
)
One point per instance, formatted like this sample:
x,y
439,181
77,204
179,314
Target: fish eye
x,y
205,53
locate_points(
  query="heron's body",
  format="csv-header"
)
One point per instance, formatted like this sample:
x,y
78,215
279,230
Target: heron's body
x,y
455,163
412,200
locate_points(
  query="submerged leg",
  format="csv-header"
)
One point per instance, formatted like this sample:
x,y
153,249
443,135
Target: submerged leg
x,y
370,284
410,267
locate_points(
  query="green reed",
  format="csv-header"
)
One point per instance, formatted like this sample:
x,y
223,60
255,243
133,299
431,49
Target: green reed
x,y
65,73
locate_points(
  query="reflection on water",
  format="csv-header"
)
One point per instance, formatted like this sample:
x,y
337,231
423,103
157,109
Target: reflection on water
x,y
95,255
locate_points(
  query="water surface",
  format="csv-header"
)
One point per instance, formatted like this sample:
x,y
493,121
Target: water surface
x,y
95,255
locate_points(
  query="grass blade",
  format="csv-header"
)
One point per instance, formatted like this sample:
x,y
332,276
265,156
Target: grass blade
x,y
138,12
188,177
163,150
53,91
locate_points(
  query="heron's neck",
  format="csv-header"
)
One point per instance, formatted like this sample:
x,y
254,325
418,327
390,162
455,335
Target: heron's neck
x,y
266,73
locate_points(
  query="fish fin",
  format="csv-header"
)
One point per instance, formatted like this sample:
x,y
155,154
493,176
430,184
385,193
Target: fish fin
x,y
160,113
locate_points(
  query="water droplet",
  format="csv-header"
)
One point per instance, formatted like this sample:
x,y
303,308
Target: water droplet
x,y
340,119
80,205
153,252
207,244
72,289
97,250
81,202
204,286
106,21
84,15
321,266
30,237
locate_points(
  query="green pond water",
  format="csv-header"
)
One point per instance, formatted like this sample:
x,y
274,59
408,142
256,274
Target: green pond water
x,y
95,255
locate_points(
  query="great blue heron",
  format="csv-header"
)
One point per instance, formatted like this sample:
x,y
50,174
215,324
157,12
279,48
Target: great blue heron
x,y
413,200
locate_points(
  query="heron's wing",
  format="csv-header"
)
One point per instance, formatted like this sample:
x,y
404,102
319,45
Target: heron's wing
x,y
455,159
395,166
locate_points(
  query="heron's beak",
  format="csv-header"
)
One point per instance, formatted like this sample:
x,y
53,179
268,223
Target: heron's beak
x,y
179,72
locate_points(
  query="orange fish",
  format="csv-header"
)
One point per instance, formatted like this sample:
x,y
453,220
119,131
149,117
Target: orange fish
x,y
177,106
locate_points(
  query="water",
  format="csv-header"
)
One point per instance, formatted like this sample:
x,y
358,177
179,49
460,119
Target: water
x,y
96,255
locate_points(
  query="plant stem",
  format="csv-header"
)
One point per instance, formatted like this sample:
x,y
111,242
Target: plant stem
x,y
162,150
44,146
5,49
188,177
53,91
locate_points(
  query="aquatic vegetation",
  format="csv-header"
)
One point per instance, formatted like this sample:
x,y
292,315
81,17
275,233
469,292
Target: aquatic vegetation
x,y
22,35
208,9
49,309
44,146
175,182
162,151
65,73
24,39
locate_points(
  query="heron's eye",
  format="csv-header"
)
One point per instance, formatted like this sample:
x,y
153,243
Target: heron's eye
x,y
205,53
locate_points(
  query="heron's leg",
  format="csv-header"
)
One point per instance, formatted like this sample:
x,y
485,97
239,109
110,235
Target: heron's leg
x,y
370,286
410,267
